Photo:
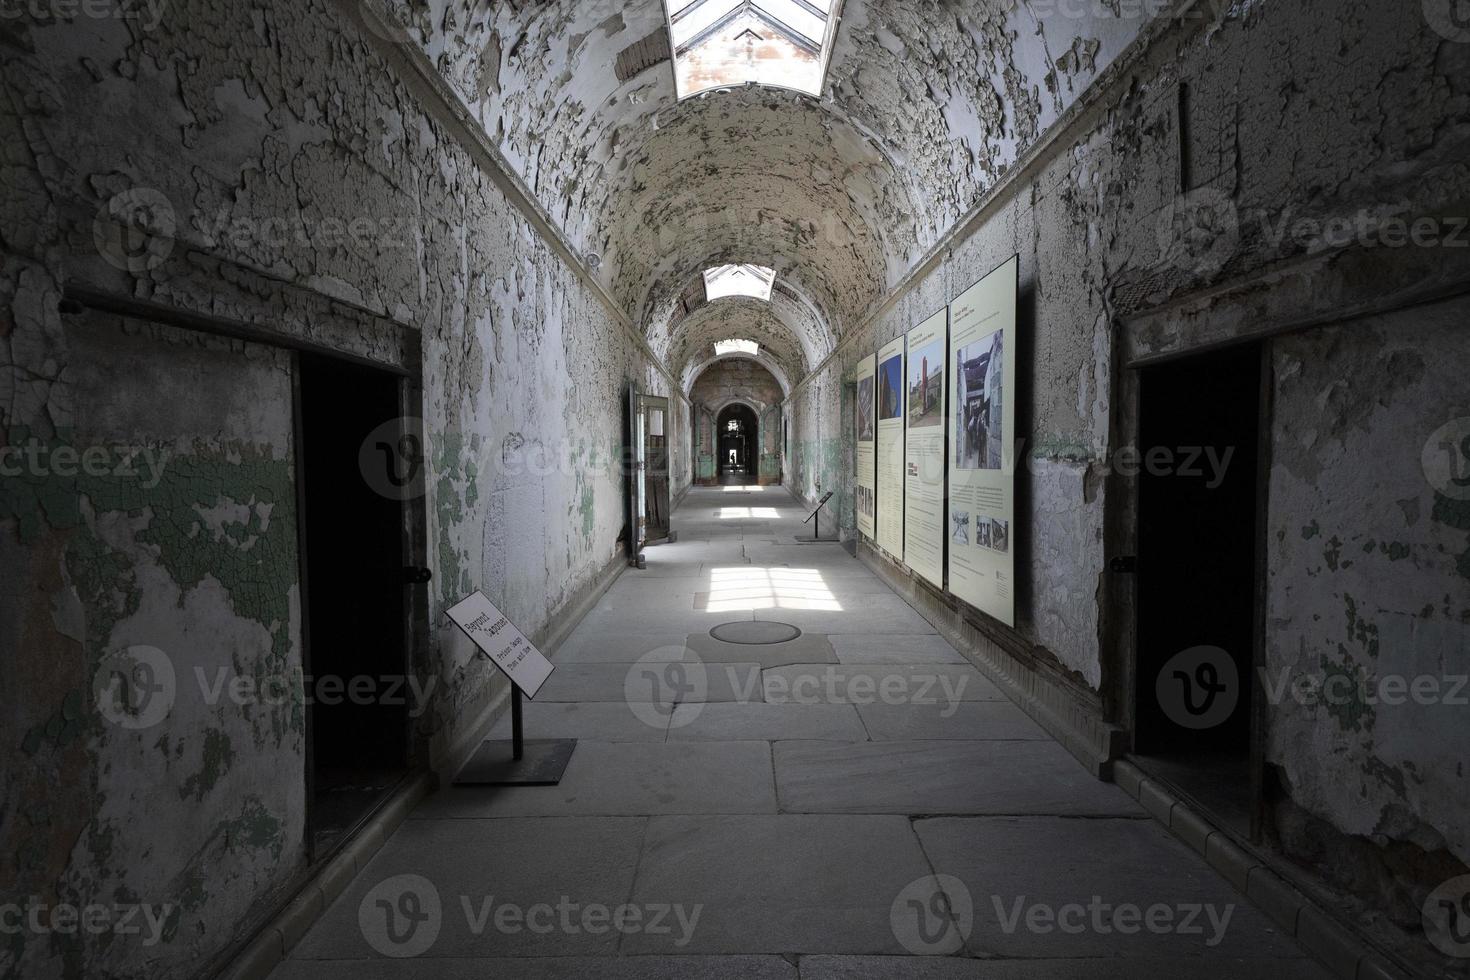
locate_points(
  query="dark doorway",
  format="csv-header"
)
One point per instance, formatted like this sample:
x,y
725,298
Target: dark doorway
x,y
356,470
738,432
1197,628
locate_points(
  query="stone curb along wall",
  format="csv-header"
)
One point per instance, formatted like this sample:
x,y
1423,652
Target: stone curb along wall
x,y
262,165
1103,227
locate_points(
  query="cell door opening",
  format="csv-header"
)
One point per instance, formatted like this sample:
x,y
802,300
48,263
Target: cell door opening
x,y
654,420
357,468
1198,622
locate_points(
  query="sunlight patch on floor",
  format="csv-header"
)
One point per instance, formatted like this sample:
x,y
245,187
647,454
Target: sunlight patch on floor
x,y
747,587
726,513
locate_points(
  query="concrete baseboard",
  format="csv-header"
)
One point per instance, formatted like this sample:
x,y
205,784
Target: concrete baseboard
x,y
1066,716
1341,953
269,947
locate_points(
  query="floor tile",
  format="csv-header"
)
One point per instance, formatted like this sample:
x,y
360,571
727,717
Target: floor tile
x,y
869,648
452,864
809,648
657,680
962,720
599,647
941,777
700,722
899,684
779,884
1055,887
627,778
605,721
858,614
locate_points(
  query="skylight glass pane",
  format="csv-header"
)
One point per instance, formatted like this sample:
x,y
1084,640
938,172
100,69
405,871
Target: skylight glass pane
x,y
739,280
700,19
793,15
727,43
737,347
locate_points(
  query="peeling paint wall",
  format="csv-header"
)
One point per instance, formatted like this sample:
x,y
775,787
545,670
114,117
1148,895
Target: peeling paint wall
x,y
822,432
176,540
1368,639
261,164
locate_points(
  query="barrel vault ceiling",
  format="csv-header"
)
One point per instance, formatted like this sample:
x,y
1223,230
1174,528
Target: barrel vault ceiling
x,y
925,104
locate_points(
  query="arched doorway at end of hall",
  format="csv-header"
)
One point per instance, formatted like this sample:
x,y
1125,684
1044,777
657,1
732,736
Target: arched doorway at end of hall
x,y
738,440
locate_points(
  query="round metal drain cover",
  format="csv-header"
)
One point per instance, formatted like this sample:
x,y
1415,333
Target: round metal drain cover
x,y
755,633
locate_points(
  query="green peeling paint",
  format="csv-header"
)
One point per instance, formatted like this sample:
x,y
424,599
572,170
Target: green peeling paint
x,y
218,755
1455,513
588,510
253,558
254,829
449,512
1351,712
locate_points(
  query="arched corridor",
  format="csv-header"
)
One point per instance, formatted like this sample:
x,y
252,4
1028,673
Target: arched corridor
x,y
734,488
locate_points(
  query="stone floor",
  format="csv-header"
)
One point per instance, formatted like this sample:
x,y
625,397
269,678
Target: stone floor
x,y
858,802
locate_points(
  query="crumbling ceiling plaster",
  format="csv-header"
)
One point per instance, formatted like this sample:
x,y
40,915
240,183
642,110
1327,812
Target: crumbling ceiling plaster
x,y
927,102
739,319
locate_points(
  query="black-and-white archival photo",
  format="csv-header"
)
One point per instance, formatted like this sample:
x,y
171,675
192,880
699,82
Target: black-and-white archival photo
x,y
979,404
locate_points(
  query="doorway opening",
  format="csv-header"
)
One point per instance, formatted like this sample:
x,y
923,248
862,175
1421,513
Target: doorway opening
x,y
653,420
738,431
1198,625
356,469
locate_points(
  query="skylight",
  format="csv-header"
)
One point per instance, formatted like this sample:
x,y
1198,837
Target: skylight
x,y
737,347
739,280
731,42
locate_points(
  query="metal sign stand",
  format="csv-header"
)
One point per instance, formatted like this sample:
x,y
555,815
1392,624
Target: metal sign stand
x,y
539,762
816,516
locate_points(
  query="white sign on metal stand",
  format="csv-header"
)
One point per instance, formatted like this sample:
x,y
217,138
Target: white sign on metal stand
x,y
498,638
539,762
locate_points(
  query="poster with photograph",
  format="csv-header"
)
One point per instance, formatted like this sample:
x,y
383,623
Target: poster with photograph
x,y
866,424
923,508
890,448
981,413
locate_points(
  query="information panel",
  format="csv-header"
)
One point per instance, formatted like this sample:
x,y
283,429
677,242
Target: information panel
x,y
982,420
499,640
923,509
867,445
890,448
